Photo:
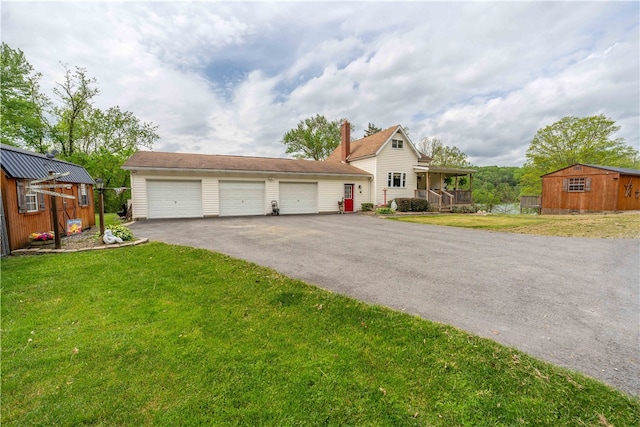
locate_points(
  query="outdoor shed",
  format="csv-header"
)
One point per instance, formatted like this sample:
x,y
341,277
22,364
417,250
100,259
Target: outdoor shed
x,y
27,209
178,185
582,188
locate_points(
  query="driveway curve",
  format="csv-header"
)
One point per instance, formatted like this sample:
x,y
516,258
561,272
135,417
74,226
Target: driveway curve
x,y
574,302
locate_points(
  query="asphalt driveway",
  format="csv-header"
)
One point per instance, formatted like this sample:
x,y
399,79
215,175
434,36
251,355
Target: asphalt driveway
x,y
571,301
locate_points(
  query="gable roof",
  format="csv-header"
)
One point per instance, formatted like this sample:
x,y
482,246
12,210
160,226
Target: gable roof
x,y
152,160
371,145
23,164
623,171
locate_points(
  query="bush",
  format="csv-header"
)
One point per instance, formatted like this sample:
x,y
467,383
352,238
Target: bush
x,y
419,205
120,231
384,211
367,207
404,204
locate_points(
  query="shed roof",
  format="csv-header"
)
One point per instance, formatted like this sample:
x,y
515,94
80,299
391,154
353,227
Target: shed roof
x,y
22,164
622,171
152,160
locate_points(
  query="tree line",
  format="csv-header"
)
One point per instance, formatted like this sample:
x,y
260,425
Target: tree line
x,y
68,123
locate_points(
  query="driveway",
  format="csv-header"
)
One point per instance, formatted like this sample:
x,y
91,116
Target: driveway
x,y
571,301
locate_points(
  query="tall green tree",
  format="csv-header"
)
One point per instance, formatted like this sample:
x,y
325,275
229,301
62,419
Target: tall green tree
x,y
314,138
571,140
371,129
74,95
22,105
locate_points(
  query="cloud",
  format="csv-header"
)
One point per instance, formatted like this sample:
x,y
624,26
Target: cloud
x,y
233,77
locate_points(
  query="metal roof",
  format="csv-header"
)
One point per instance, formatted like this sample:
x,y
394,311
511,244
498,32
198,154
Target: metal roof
x,y
22,164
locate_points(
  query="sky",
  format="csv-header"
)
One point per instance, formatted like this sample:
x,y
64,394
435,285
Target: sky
x,y
233,77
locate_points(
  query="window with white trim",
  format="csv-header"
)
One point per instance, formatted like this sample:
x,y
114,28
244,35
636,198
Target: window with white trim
x,y
396,179
397,143
576,185
32,202
28,201
83,199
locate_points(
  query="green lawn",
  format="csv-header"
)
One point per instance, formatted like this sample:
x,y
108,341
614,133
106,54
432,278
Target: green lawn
x,y
625,225
169,335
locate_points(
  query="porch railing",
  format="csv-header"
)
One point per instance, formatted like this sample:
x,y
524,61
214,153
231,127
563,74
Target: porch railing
x,y
454,197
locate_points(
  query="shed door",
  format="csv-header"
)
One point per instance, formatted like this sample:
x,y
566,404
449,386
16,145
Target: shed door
x,y
298,197
241,198
174,199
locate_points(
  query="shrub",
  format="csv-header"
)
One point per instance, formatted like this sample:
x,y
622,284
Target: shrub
x,y
384,211
419,205
404,204
367,207
120,231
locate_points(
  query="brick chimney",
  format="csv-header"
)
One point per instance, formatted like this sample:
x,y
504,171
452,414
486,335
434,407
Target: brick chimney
x,y
345,144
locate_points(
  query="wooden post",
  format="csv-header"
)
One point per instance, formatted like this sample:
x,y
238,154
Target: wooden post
x,y
54,218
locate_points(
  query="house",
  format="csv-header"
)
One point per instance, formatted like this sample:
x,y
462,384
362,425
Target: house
x,y
582,188
375,169
175,185
400,170
26,210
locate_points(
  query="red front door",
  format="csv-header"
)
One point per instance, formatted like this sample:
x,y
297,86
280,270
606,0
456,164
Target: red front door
x,y
348,197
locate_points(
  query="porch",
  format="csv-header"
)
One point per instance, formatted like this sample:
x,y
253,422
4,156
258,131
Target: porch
x,y
434,185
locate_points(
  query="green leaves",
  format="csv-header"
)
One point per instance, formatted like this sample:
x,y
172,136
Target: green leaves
x,y
571,140
314,138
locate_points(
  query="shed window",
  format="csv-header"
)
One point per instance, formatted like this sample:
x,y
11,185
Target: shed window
x,y
396,143
28,201
396,179
83,199
576,185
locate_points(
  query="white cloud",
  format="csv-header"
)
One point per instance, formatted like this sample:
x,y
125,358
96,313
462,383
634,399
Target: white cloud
x,y
232,77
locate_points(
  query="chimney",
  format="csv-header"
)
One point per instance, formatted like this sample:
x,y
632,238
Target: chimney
x,y
345,144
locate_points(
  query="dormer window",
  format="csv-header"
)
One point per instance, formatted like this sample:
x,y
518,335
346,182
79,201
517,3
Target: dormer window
x,y
396,143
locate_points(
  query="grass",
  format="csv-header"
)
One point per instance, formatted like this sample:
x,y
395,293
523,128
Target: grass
x,y
109,219
601,226
169,335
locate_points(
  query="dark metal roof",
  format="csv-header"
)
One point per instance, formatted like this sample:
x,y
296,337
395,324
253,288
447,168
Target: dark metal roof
x,y
22,164
622,171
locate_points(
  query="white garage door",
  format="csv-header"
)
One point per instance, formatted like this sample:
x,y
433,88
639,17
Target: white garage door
x,y
298,197
174,199
240,198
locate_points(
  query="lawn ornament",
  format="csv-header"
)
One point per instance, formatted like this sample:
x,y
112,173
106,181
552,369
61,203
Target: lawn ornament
x,y
341,206
275,210
109,238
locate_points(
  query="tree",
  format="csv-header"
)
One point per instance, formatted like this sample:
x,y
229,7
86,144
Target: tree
x,y
573,140
443,155
495,185
371,129
22,105
314,138
75,94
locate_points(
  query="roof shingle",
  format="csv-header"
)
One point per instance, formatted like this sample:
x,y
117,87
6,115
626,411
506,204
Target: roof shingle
x,y
212,162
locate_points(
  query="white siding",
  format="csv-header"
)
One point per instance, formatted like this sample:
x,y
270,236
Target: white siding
x,y
272,193
139,196
391,160
331,191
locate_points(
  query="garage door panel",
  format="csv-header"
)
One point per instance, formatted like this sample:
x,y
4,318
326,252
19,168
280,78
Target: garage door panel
x,y
174,199
298,198
242,198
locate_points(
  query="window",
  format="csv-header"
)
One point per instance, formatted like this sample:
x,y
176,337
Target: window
x,y
396,179
396,143
28,201
83,199
576,185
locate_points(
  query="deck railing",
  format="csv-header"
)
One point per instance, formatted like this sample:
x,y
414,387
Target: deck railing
x,y
446,198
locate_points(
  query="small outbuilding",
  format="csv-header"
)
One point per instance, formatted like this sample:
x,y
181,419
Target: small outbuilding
x,y
582,188
27,200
